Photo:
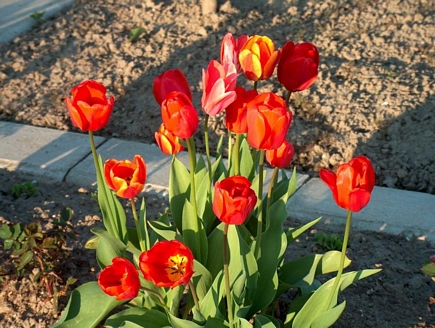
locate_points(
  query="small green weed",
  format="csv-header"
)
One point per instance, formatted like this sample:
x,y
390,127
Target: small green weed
x,y
26,188
39,252
136,33
38,16
330,242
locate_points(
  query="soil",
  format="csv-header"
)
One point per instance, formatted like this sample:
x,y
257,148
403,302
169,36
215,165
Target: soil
x,y
374,96
399,296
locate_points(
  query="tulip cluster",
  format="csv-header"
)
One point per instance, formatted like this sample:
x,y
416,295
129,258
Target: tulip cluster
x,y
221,245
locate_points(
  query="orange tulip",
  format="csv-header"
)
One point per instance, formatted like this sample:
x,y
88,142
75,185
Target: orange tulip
x,y
235,113
234,199
298,66
167,142
258,58
171,80
167,264
282,156
268,121
121,279
125,177
218,82
179,116
353,183
88,107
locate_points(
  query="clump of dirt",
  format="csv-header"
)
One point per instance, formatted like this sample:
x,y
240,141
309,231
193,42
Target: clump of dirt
x,y
374,95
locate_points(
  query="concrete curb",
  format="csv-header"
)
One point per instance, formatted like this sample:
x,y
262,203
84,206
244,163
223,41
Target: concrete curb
x,y
15,15
65,156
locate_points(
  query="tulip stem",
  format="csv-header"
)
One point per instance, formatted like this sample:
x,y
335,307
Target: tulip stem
x,y
230,149
269,194
207,147
342,259
287,98
195,297
227,275
237,154
137,224
157,295
192,161
260,205
100,189
255,85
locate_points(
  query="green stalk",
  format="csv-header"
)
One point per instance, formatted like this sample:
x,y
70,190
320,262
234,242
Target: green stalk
x,y
192,162
94,154
287,98
342,259
137,224
269,195
195,297
230,149
237,154
227,276
260,205
156,294
255,85
207,147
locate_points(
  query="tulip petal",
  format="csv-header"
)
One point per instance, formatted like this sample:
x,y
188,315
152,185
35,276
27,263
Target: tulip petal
x,y
358,199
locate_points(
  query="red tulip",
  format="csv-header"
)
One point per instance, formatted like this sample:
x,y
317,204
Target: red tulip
x,y
235,113
121,279
218,83
234,199
126,178
167,142
167,264
258,58
230,50
268,121
171,80
179,116
282,156
298,66
353,183
88,107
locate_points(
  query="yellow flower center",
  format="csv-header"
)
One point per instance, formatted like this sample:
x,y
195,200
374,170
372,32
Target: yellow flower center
x,y
176,267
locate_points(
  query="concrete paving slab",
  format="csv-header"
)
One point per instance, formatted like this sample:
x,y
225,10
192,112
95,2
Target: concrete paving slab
x,y
158,164
43,152
15,15
411,214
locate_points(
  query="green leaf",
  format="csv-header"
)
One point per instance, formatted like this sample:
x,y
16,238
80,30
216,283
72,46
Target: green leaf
x,y
136,33
143,225
5,232
165,231
429,269
25,259
302,271
202,280
136,317
108,247
114,219
210,303
263,321
180,323
317,303
179,183
329,317
247,168
293,233
81,310
194,235
273,245
92,242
